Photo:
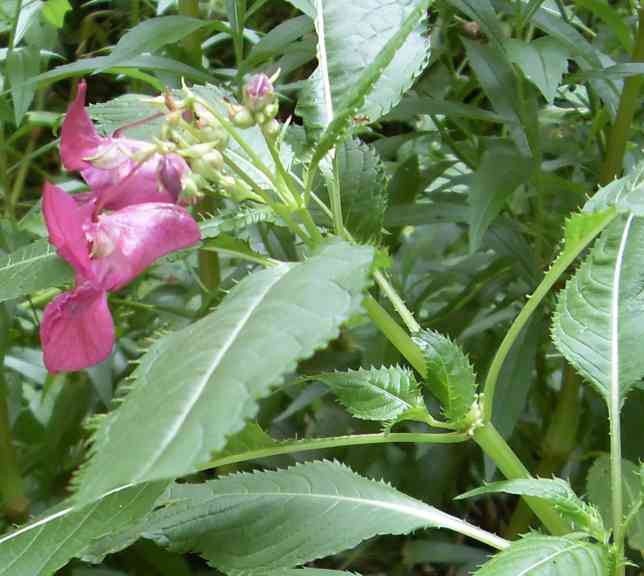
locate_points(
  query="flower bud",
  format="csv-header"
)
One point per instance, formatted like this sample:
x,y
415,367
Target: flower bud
x,y
191,192
240,116
272,128
170,172
259,93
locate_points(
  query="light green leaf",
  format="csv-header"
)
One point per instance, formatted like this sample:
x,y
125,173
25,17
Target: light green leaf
x,y
151,35
54,11
501,171
235,220
196,387
269,520
537,555
555,490
625,194
543,61
384,394
30,268
450,376
47,544
305,6
361,73
598,487
598,323
22,64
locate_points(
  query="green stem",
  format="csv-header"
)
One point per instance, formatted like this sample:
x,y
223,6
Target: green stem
x,y
629,103
397,302
616,489
493,444
209,268
559,266
395,334
307,444
279,165
335,199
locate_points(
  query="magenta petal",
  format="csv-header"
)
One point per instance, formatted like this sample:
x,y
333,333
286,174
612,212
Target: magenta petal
x,y
127,241
78,137
77,330
66,219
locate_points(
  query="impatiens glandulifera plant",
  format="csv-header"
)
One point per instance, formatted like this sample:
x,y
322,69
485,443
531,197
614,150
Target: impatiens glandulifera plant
x,y
332,257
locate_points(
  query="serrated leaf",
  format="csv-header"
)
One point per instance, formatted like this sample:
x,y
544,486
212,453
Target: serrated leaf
x,y
501,171
536,555
30,268
254,523
235,220
46,545
598,487
625,194
376,79
555,490
450,376
598,320
543,61
54,11
384,394
22,64
196,387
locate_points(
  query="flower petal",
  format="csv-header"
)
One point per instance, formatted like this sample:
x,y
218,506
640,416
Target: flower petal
x,y
78,137
77,330
65,219
127,241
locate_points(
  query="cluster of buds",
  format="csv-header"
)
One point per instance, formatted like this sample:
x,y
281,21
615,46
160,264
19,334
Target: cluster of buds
x,y
259,106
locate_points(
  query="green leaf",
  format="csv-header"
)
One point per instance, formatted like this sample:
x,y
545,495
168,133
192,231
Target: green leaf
x,y
536,555
625,194
385,394
598,487
151,35
555,490
22,64
46,545
199,385
305,572
269,520
305,6
613,19
54,11
364,196
543,61
236,248
30,268
501,171
235,220
450,376
360,74
412,106
482,11
598,323
250,438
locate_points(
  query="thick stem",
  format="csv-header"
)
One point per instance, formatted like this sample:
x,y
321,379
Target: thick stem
x,y
493,444
629,102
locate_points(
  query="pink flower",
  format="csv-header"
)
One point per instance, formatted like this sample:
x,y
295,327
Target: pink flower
x,y
120,171
107,251
258,92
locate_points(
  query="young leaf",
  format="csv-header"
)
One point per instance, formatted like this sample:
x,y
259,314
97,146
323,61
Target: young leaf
x,y
543,61
269,520
30,268
369,90
557,491
501,171
599,492
537,555
385,394
47,544
22,64
598,320
450,376
196,387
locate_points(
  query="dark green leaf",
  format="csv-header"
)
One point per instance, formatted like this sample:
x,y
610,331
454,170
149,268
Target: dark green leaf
x,y
22,64
54,11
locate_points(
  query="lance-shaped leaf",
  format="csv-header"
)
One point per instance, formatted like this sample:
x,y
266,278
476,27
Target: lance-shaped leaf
x,y
196,387
537,555
30,268
369,53
598,486
598,324
625,194
450,376
385,394
555,490
47,544
269,520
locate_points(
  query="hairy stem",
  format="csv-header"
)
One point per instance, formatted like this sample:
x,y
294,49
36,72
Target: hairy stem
x,y
628,105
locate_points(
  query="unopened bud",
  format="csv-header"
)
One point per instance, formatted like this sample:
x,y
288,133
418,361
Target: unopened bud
x,y
216,136
214,159
272,128
171,171
241,116
259,93
191,189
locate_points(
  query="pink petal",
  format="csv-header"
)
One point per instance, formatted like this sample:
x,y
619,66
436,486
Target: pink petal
x,y
66,219
77,330
129,240
78,137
